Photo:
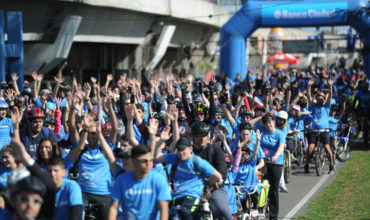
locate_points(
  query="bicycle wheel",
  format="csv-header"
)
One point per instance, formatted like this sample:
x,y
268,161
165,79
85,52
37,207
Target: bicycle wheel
x,y
299,154
318,159
342,151
287,166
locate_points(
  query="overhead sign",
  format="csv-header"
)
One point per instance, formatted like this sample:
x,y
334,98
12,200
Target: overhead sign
x,y
303,14
300,46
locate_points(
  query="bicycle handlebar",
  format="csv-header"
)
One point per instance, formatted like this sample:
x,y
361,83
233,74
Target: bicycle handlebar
x,y
239,187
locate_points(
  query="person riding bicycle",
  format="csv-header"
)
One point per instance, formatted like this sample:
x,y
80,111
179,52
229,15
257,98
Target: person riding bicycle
x,y
200,134
249,165
363,107
187,177
320,120
142,193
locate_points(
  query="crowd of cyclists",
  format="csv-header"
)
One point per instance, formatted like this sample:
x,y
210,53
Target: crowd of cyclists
x,y
160,148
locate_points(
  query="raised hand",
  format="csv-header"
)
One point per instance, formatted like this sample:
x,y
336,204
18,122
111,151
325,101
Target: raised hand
x,y
109,77
153,126
130,112
34,76
93,79
16,115
10,95
172,114
165,134
330,82
241,143
40,77
311,81
15,77
259,135
58,79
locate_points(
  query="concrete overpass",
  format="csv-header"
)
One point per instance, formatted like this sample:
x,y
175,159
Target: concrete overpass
x,y
119,34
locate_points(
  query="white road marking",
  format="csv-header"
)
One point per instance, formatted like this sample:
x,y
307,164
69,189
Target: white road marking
x,y
308,196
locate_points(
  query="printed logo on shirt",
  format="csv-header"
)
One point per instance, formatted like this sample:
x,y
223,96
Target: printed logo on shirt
x,y
139,192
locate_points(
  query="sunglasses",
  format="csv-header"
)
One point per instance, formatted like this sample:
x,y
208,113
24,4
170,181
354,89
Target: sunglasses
x,y
145,160
244,116
26,199
198,114
218,114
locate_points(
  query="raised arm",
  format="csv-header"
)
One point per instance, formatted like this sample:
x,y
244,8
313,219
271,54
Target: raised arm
x,y
15,84
16,115
130,115
104,146
228,115
173,116
59,80
309,85
35,90
330,97
113,117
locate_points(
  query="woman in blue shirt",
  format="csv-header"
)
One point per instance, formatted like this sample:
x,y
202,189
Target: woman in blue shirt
x,y
272,144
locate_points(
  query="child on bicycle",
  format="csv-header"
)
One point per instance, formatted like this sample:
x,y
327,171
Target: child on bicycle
x,y
247,171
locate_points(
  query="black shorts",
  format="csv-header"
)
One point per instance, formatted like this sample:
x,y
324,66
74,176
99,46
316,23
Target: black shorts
x,y
313,137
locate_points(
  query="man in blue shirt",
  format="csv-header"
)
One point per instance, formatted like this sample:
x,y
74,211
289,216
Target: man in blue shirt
x,y
144,194
187,177
68,199
320,120
35,131
6,125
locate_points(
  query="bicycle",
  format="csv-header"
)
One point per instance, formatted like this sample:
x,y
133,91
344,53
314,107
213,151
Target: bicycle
x,y
319,153
344,133
91,210
287,165
295,145
204,213
245,214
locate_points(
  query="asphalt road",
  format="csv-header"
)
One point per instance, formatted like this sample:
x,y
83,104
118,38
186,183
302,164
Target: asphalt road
x,y
303,188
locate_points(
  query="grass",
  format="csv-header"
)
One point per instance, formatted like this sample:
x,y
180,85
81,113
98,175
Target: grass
x,y
348,196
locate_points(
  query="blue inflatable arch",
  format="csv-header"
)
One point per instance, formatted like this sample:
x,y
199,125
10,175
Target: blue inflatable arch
x,y
257,13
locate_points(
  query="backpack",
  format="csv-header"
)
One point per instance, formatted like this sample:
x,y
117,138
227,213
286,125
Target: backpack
x,y
172,174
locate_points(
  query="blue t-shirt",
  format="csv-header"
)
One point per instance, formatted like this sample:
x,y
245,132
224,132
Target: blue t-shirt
x,y
333,124
140,198
320,116
363,100
247,176
94,173
31,143
4,173
68,195
187,182
5,214
230,190
270,143
6,131
297,124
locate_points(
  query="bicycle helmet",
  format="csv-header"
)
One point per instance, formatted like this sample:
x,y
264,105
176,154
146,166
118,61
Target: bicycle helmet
x,y
218,109
246,112
180,104
260,107
200,107
283,115
3,104
200,127
30,183
35,113
244,126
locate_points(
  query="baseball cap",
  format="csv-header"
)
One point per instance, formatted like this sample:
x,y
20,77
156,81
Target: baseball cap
x,y
296,107
183,143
